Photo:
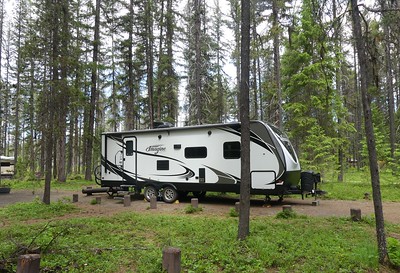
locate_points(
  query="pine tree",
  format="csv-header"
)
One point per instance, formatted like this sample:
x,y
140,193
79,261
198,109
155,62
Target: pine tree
x,y
89,135
308,68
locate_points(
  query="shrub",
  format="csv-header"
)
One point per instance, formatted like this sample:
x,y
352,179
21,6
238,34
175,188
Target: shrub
x,y
233,213
286,214
394,251
190,209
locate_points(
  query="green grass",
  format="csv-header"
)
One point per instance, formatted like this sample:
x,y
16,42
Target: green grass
x,y
357,183
75,185
36,210
131,242
134,242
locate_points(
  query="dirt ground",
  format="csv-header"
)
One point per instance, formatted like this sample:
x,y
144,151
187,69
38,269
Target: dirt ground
x,y
211,205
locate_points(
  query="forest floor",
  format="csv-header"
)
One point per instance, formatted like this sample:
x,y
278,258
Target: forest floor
x,y
211,205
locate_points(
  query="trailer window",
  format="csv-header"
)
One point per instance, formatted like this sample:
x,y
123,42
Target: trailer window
x,y
162,165
129,148
196,152
232,150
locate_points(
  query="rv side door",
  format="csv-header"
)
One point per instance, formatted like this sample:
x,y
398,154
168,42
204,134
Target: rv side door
x,y
130,156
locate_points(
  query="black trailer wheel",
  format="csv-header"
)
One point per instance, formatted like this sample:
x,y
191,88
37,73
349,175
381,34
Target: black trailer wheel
x,y
149,192
169,194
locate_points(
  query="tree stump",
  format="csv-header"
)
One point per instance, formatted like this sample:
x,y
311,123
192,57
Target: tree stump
x,y
194,202
74,198
171,260
29,263
355,214
127,200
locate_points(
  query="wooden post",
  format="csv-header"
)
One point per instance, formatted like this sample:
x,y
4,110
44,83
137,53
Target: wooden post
x,y
315,203
74,198
194,202
171,260
29,263
98,200
127,200
355,214
237,207
287,208
153,202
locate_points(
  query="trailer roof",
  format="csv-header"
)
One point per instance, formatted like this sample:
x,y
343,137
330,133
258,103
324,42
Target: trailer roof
x,y
163,129
202,126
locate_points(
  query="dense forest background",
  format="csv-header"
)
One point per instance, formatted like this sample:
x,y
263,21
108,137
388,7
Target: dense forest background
x,y
71,69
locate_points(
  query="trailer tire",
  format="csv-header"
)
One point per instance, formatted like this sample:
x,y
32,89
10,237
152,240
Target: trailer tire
x,y
149,192
169,194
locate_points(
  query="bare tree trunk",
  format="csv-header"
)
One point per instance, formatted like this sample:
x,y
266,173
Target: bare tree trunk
x,y
150,60
50,103
32,159
389,83
160,60
17,98
130,103
369,130
172,101
338,76
220,97
244,216
253,18
64,94
93,95
198,62
277,63
235,12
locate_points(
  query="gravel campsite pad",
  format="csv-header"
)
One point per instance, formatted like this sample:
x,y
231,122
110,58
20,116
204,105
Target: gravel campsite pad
x,y
211,205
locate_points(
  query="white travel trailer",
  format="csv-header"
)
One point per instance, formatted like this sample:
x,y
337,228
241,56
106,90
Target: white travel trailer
x,y
7,166
167,162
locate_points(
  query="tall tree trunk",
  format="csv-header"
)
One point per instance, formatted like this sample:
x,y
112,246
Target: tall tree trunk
x,y
338,83
130,105
369,130
235,14
253,16
198,62
32,159
50,100
244,216
277,63
64,96
17,98
93,95
150,60
160,82
389,82
171,96
220,92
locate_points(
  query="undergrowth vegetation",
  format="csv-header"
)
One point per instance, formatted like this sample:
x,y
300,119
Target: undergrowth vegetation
x,y
133,242
357,186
